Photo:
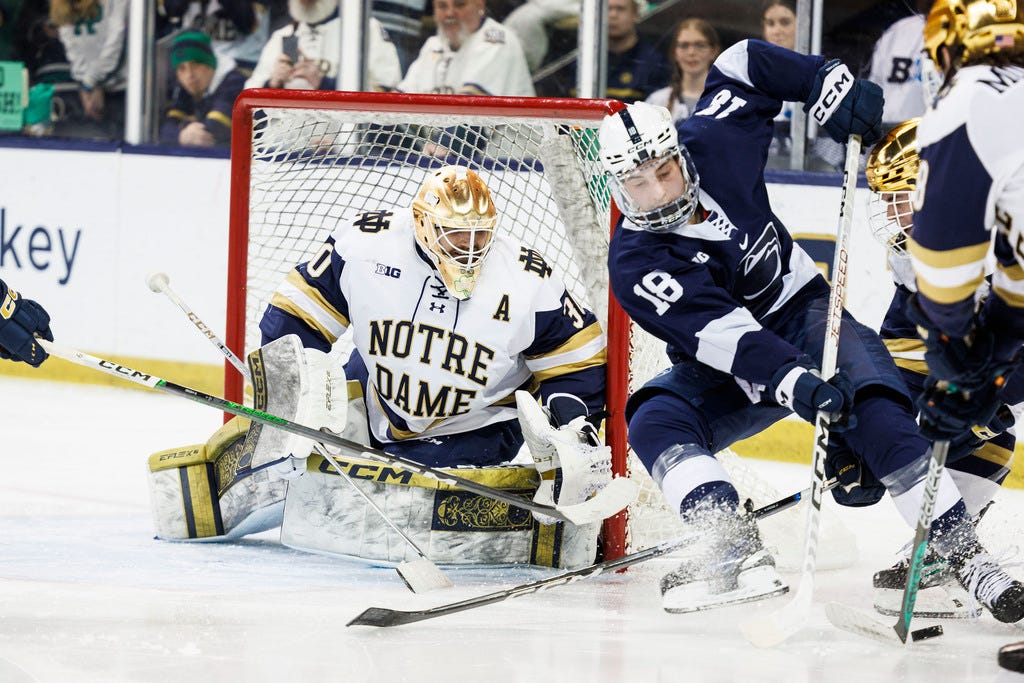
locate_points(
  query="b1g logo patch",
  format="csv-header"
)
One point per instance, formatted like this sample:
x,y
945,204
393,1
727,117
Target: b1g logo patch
x,y
390,271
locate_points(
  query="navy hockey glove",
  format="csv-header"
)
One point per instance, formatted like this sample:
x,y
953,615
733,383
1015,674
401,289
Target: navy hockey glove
x,y
844,105
970,440
20,320
858,486
797,387
970,364
946,413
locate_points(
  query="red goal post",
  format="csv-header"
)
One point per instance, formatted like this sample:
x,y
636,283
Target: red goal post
x,y
298,143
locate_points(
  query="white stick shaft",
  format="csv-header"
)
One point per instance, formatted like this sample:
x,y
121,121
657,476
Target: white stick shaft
x,y
207,332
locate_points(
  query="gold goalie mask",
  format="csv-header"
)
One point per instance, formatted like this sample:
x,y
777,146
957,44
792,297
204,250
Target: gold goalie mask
x,y
455,221
892,176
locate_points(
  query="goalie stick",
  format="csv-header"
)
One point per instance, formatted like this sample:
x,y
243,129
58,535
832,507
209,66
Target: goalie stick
x,y
771,629
420,575
383,617
607,502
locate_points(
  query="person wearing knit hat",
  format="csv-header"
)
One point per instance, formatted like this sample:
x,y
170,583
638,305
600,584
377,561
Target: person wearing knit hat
x,y
192,46
200,112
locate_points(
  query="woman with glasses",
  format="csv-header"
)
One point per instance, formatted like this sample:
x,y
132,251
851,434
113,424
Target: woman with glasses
x,y
694,46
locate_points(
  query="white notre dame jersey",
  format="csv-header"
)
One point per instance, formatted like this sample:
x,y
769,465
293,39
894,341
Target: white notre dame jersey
x,y
971,184
438,365
490,62
322,42
896,67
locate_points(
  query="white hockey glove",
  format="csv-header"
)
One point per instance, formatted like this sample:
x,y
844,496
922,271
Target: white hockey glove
x,y
571,463
305,386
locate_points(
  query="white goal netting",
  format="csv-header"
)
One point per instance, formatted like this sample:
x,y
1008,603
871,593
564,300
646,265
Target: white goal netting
x,y
310,165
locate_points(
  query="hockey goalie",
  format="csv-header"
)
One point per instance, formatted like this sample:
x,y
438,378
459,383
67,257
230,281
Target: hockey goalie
x,y
467,345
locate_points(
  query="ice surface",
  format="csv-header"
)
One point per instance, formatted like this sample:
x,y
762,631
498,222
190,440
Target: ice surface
x,y
87,595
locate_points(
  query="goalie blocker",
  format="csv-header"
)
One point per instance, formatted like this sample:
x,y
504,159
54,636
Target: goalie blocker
x,y
246,479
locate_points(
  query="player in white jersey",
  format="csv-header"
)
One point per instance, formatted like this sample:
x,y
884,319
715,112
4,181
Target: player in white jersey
x,y
471,54
971,185
449,318
702,261
978,465
969,212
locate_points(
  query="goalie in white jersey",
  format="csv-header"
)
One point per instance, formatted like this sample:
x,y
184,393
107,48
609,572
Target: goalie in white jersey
x,y
449,319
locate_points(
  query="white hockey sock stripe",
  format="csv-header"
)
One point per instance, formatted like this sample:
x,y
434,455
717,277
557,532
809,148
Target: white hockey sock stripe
x,y
688,475
909,502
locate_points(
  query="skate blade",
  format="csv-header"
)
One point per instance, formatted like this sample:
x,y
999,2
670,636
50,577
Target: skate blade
x,y
755,584
939,602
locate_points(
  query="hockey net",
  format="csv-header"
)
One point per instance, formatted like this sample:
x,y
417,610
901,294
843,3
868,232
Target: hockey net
x,y
303,160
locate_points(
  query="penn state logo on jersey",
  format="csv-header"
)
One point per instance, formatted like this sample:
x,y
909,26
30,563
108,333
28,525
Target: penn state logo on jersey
x,y
761,267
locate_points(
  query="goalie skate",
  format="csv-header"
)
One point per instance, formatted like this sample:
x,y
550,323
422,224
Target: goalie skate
x,y
940,596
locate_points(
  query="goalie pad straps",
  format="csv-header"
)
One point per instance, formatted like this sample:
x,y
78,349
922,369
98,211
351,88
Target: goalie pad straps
x,y
298,384
570,468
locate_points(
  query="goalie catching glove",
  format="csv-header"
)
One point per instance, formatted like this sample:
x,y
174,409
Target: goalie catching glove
x,y
305,386
572,463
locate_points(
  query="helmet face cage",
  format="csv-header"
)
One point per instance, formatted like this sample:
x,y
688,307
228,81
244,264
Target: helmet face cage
x,y
892,176
974,29
659,218
455,221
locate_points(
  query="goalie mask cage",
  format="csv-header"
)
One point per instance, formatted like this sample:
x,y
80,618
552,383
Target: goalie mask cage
x,y
301,160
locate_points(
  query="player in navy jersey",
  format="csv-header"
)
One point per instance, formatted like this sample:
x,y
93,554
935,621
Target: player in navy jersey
x,y
701,261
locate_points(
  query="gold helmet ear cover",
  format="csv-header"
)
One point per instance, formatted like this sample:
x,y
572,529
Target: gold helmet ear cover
x,y
455,222
893,162
892,176
974,29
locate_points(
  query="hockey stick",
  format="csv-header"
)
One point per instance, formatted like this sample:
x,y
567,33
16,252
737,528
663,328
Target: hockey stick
x,y
383,617
607,502
774,628
858,622
420,575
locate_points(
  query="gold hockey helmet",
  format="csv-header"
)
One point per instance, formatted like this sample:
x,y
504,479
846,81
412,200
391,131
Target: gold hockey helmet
x,y
973,29
892,176
455,221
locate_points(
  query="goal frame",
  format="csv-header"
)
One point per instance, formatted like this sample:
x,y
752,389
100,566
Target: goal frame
x,y
618,323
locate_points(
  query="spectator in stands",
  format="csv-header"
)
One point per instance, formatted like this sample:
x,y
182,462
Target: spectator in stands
x,y
237,28
200,113
695,44
778,23
896,65
304,54
403,20
93,33
471,54
635,67
530,22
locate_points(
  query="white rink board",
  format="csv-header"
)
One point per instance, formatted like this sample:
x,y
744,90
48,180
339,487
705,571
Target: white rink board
x,y
133,214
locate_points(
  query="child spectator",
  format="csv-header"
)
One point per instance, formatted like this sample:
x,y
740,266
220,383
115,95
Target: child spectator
x,y
237,28
200,113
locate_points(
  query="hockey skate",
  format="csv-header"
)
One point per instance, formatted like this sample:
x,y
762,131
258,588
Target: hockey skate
x,y
940,596
989,584
735,569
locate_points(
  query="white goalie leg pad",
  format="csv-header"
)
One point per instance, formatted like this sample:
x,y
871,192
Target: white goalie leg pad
x,y
324,515
571,469
209,492
302,385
